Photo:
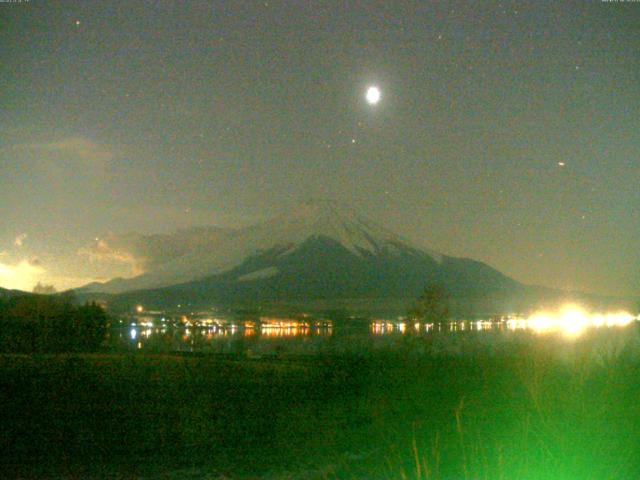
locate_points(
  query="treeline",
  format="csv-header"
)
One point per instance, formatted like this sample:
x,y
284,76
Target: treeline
x,y
50,324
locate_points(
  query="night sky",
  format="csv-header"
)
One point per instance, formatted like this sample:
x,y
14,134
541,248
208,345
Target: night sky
x,y
508,132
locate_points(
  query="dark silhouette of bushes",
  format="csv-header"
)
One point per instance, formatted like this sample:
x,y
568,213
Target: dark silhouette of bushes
x,y
49,324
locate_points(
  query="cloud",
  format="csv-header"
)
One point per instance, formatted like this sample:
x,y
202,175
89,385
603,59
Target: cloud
x,y
20,276
117,249
19,241
69,156
148,252
26,274
79,147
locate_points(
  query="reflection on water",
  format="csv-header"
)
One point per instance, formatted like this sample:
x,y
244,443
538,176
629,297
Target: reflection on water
x,y
273,335
289,327
220,337
386,327
571,320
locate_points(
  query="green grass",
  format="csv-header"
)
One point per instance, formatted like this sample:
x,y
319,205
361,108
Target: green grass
x,y
522,412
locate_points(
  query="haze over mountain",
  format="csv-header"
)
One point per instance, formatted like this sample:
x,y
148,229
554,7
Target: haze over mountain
x,y
320,250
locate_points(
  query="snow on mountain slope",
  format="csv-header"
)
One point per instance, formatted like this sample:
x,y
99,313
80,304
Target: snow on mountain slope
x,y
322,218
226,250
259,274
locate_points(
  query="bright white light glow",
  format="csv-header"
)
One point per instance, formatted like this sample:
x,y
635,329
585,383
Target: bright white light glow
x,y
21,276
571,320
373,95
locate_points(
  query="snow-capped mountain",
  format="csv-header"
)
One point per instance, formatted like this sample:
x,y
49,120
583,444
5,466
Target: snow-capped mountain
x,y
204,251
318,250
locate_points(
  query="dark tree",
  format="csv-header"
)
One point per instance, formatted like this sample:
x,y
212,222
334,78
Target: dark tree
x,y
90,326
48,323
432,306
44,289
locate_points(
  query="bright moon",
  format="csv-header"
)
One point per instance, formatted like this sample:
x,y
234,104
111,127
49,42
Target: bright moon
x,y
373,95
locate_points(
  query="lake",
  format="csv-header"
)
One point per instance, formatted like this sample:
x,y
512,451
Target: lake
x,y
267,337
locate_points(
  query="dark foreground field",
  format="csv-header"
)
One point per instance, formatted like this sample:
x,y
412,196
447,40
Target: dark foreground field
x,y
532,410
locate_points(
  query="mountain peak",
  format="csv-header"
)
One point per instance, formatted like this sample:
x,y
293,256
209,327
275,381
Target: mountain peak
x,y
327,218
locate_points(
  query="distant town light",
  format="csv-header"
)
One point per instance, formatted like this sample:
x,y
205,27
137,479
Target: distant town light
x,y
571,320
